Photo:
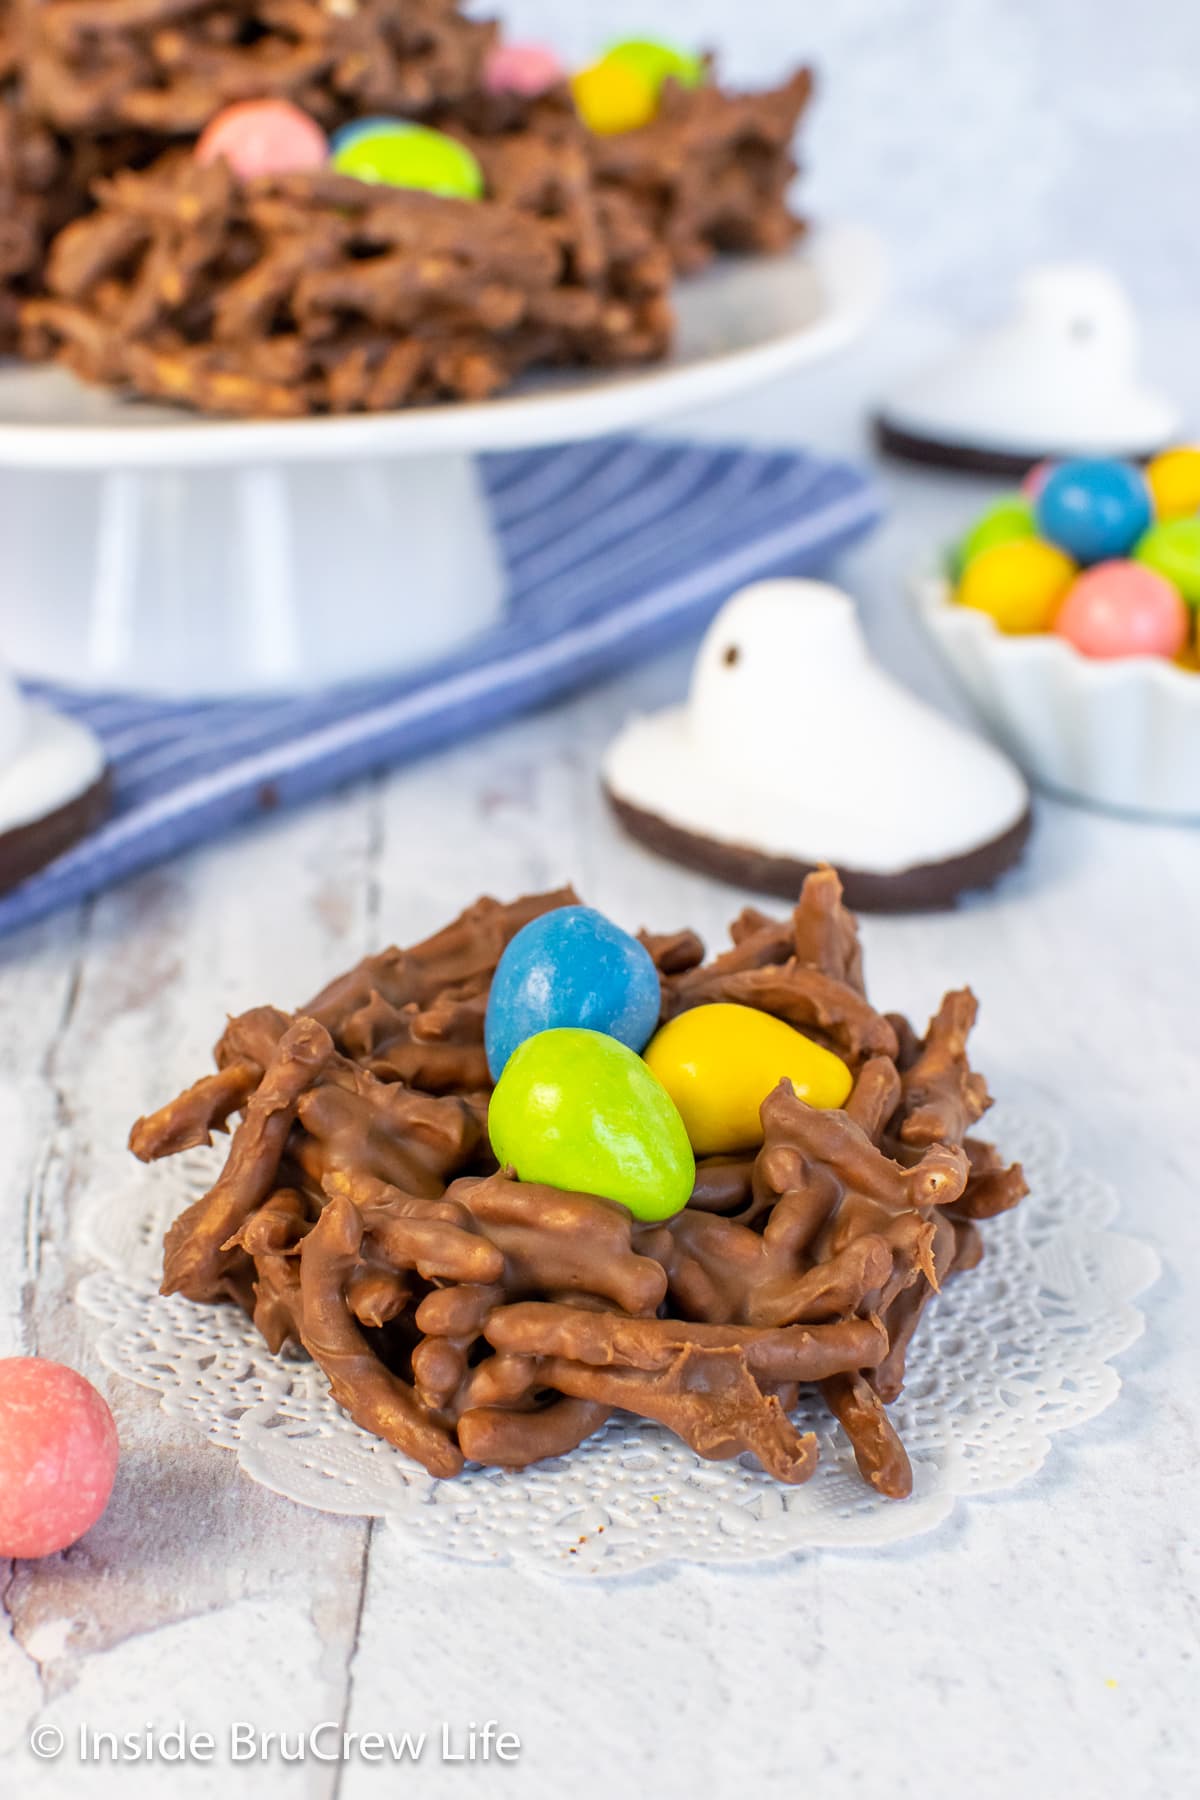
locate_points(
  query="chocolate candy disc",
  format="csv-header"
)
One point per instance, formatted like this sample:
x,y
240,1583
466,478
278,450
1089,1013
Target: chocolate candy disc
x,y
1020,585
719,1063
579,1111
1123,609
1036,479
1173,550
1094,509
1004,522
612,98
657,62
571,967
524,69
263,137
365,128
1174,482
58,1456
394,153
622,91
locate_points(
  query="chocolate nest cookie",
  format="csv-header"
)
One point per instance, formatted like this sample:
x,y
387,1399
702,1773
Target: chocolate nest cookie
x,y
466,1315
314,292
166,66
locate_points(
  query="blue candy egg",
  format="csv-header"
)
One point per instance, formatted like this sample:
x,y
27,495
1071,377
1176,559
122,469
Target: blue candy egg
x,y
349,134
1094,509
571,967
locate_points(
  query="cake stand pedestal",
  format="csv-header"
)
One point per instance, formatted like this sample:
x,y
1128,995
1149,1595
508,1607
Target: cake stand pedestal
x,y
255,576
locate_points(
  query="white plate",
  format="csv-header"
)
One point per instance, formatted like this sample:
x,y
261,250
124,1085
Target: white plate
x,y
740,323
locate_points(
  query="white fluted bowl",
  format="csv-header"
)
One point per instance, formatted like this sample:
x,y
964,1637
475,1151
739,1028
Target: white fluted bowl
x,y
1122,734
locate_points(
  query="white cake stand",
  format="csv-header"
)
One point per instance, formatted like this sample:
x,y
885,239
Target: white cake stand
x,y
154,550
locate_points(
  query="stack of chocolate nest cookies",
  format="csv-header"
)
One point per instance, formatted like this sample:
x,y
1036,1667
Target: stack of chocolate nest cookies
x,y
283,207
465,1313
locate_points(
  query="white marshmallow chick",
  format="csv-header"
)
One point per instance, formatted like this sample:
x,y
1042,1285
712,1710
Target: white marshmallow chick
x,y
1058,378
46,760
795,744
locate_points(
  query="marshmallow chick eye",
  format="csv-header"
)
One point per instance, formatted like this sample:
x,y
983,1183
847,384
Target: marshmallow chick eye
x,y
732,656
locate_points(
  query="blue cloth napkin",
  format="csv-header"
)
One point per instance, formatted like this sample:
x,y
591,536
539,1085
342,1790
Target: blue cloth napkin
x,y
614,549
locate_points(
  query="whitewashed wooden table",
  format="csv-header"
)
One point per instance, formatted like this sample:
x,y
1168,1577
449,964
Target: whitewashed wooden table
x,y
1042,1639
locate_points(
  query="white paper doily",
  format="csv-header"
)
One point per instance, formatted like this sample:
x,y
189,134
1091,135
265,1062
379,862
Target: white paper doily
x,y
1010,1353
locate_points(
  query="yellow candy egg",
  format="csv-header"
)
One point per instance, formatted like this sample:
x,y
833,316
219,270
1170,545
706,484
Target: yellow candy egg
x,y
1174,482
1019,585
611,97
719,1063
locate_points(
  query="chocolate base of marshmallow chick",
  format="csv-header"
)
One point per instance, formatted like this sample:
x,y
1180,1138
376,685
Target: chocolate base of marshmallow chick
x,y
924,887
54,785
795,748
467,1315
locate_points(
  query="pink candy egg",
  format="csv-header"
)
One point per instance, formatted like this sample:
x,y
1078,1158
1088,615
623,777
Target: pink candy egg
x,y
58,1456
1123,609
525,69
1035,480
263,137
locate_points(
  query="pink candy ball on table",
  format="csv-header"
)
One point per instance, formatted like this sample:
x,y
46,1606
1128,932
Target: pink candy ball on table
x,y
263,137
1123,609
524,69
58,1456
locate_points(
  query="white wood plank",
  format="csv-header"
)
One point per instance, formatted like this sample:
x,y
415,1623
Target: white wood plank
x,y
189,1547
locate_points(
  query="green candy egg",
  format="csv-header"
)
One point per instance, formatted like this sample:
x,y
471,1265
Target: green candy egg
x,y
1004,522
578,1110
657,63
1173,549
410,156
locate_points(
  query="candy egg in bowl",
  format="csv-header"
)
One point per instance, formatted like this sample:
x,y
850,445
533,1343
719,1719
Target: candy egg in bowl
x,y
1068,614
